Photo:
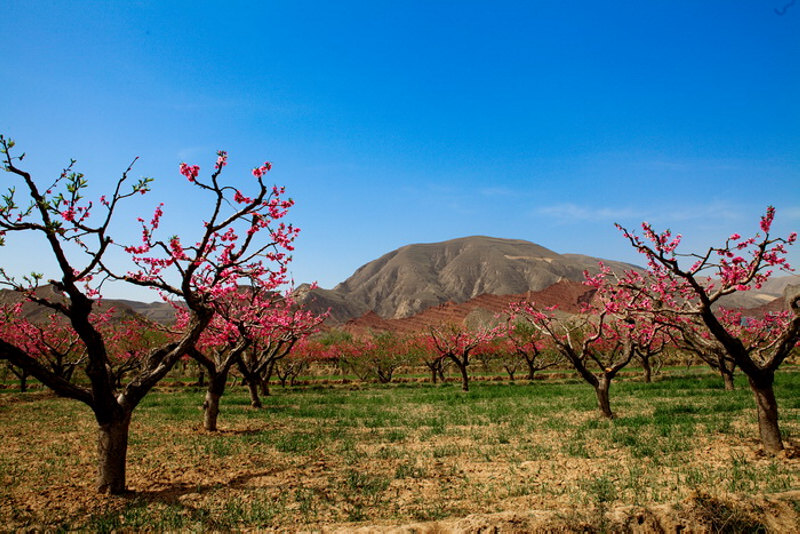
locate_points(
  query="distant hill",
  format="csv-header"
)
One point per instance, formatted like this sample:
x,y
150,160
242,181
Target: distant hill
x,y
771,291
419,284
413,278
159,312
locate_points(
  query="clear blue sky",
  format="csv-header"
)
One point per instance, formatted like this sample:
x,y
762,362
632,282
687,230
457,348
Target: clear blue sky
x,y
404,122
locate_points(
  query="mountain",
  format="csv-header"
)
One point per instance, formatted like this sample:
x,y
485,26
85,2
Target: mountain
x,y
408,280
770,293
159,312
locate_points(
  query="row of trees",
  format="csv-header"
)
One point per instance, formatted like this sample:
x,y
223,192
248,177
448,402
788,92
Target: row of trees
x,y
224,282
677,298
597,345
674,303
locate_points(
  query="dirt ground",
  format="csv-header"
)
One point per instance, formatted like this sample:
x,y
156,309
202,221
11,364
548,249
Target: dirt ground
x,y
183,478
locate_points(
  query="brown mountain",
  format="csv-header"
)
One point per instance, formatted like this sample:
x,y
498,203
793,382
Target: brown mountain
x,y
414,278
768,296
159,312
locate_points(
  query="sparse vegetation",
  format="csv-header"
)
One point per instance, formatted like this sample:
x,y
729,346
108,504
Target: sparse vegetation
x,y
400,453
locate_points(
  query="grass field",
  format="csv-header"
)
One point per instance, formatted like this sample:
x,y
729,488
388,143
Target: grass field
x,y
314,458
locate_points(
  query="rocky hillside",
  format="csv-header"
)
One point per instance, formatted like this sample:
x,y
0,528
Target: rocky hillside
x,y
414,278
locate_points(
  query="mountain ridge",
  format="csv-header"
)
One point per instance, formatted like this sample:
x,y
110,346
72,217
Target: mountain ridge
x,y
413,278
407,280
403,284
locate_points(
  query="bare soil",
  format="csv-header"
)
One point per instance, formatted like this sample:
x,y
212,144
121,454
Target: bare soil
x,y
476,478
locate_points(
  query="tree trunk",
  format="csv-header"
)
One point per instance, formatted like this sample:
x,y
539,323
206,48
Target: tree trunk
x,y
201,377
727,379
440,372
252,387
531,370
216,387
211,411
603,401
726,368
112,450
433,375
767,409
464,377
22,376
266,378
648,371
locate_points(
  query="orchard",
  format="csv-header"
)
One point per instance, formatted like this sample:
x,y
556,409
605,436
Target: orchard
x,y
241,331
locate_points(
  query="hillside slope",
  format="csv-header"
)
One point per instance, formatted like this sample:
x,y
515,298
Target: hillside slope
x,y
408,280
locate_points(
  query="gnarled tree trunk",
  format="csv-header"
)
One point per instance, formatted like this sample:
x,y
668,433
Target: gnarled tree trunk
x,y
727,379
464,376
265,380
112,450
216,387
767,409
603,401
531,370
648,371
255,400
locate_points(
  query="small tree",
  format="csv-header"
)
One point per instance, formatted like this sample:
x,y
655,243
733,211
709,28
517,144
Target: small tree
x,y
423,351
377,355
296,362
603,343
456,343
672,289
529,346
281,323
220,346
603,337
392,354
650,342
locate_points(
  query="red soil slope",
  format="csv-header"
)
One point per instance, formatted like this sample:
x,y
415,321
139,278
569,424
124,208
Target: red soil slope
x,y
566,294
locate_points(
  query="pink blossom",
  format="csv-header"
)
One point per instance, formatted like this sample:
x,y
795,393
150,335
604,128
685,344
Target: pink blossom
x,y
222,160
190,171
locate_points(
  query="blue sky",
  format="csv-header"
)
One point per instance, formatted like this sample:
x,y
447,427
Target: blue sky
x,y
404,122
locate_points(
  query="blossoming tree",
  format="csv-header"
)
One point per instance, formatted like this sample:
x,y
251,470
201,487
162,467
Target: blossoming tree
x,y
77,233
457,343
679,285
528,345
599,343
279,322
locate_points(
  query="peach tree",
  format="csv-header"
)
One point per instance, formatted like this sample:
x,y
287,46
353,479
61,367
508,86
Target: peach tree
x,y
685,289
240,235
